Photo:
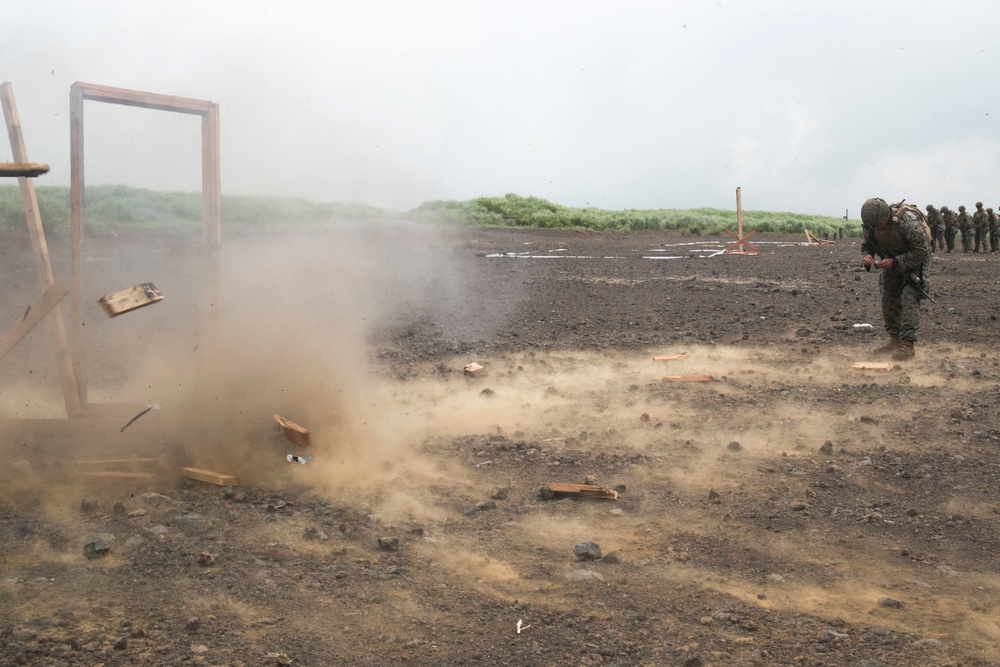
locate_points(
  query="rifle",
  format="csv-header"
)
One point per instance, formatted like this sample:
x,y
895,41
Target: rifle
x,y
908,277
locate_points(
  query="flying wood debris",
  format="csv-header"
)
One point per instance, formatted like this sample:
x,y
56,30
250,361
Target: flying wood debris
x,y
210,477
293,432
473,368
673,357
549,491
872,365
134,297
687,378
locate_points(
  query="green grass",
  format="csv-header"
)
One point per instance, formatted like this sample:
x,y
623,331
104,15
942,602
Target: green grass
x,y
122,205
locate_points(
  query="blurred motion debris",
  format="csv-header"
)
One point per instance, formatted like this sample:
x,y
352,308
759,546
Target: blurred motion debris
x,y
137,296
293,432
549,491
872,365
151,406
292,458
673,357
473,368
210,477
687,378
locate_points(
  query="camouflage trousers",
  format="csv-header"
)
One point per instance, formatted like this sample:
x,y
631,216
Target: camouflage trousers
x,y
994,240
937,237
901,302
980,239
949,236
966,240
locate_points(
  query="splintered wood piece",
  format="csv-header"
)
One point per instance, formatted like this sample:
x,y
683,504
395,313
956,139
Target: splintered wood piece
x,y
26,169
117,475
293,432
473,368
687,378
549,491
210,477
674,357
134,297
873,365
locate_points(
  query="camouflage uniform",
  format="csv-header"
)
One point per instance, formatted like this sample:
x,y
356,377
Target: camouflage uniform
x,y
935,223
965,227
948,216
992,221
979,224
901,236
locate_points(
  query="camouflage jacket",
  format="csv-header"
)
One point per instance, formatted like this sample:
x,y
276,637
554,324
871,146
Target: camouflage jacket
x,y
949,219
934,218
979,219
905,241
992,221
963,221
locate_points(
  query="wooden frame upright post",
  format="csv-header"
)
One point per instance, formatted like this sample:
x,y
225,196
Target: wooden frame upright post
x,y
211,187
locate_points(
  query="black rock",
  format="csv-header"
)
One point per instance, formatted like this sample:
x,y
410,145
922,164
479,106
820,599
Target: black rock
x,y
95,549
587,551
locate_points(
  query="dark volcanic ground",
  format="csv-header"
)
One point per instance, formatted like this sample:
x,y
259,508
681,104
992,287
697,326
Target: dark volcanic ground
x,y
791,511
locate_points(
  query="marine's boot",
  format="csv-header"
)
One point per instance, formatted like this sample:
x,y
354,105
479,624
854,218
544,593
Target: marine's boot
x,y
889,347
904,351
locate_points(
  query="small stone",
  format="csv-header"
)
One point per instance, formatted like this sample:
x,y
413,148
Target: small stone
x,y
487,393
693,662
388,543
798,506
486,505
713,494
500,493
890,603
118,509
587,551
611,558
590,480
95,549
827,448
121,644
88,504
734,446
193,624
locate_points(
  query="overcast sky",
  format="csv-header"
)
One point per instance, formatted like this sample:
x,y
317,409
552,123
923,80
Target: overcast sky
x,y
809,107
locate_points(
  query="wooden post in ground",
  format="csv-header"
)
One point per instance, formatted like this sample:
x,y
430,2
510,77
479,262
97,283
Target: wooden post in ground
x,y
741,245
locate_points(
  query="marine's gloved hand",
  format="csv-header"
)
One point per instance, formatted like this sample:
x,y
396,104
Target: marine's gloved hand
x,y
885,263
867,261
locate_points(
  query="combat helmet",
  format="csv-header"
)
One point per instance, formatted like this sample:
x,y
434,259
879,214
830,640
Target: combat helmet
x,y
961,208
874,211
930,207
989,210
979,204
945,208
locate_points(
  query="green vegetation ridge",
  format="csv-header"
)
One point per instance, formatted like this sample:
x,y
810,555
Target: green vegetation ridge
x,y
122,205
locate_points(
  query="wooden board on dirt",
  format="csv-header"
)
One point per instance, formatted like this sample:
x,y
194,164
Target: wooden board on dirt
x,y
687,378
873,365
137,296
210,477
549,491
473,368
293,432
672,357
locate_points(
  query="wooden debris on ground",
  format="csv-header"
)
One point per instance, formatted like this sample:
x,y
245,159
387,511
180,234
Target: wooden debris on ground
x,y
210,477
473,368
549,491
873,365
673,357
812,240
137,296
687,378
293,432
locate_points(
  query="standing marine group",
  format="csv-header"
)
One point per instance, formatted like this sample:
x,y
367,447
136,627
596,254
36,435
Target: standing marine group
x,y
979,232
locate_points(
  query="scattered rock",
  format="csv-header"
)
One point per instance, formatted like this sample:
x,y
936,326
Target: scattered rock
x,y
713,494
611,558
890,603
206,559
314,533
587,551
827,448
121,644
118,509
388,543
486,505
88,504
734,446
590,479
95,549
193,624
500,493
487,393
798,506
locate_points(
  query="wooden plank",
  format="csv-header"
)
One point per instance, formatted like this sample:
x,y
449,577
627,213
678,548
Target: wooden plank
x,y
210,477
687,378
674,357
473,368
584,490
873,365
119,463
76,213
211,178
137,296
137,98
23,169
35,313
293,432
117,475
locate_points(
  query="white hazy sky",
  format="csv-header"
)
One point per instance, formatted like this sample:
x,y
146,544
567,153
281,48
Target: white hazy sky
x,y
809,107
